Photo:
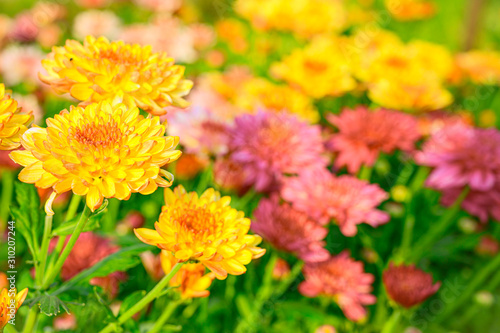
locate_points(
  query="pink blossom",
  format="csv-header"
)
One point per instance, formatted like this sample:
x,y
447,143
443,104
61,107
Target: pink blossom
x,y
364,134
289,230
343,279
462,156
21,64
345,199
97,23
269,145
482,204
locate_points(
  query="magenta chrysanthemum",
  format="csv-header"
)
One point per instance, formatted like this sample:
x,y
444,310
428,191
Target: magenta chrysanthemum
x,y
289,230
346,200
363,134
343,279
269,145
482,204
462,156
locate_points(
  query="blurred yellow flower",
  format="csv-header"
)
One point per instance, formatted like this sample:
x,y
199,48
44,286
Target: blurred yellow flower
x,y
306,18
320,69
101,151
10,301
190,279
102,70
409,10
260,93
204,229
13,122
480,67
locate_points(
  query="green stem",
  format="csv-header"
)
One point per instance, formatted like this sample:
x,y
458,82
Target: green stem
x,y
30,325
5,201
365,173
478,280
53,271
419,179
112,215
73,206
44,251
407,233
439,228
162,320
392,323
153,294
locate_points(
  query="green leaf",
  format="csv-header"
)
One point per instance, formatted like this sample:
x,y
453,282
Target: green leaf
x,y
27,212
131,300
51,305
119,261
68,227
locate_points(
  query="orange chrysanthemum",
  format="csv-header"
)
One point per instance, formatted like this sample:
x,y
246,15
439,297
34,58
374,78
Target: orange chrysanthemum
x,y
102,70
101,151
13,123
10,301
191,279
204,229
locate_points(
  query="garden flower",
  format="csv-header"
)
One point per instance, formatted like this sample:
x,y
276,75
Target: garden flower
x,y
7,298
289,230
320,69
342,279
408,285
363,134
260,93
101,151
21,64
480,67
191,279
97,23
269,145
409,10
461,156
482,204
204,229
13,121
281,269
229,175
88,251
345,199
101,70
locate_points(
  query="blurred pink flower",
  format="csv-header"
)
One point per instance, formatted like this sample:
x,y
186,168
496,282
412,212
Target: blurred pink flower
x,y
462,156
89,249
488,245
160,5
482,204
203,35
152,264
30,103
177,43
24,29
269,145
343,279
408,285
201,132
345,199
289,230
65,322
229,175
21,64
364,134
97,23
5,27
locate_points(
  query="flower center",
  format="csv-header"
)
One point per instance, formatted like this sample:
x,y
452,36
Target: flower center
x,y
99,135
121,56
199,221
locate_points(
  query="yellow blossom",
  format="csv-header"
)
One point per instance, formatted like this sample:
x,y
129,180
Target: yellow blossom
x,y
101,151
13,122
204,229
408,10
10,301
320,69
480,67
101,70
191,279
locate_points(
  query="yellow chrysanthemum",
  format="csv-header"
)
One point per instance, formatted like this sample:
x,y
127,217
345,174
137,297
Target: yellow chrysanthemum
x,y
191,279
101,151
10,301
102,70
481,67
204,229
13,122
319,70
306,18
409,10
259,92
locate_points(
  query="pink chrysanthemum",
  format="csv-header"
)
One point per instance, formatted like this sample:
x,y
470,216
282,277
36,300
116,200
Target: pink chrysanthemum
x,y
269,145
363,134
462,156
88,251
345,199
482,204
289,230
408,285
343,279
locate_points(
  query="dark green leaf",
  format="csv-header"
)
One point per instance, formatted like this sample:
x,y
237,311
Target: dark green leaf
x,y
131,300
51,305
